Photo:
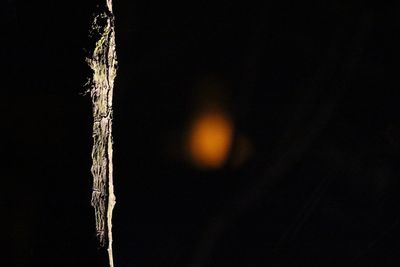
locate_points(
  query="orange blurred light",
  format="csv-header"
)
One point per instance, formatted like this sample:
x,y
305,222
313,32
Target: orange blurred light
x,y
210,140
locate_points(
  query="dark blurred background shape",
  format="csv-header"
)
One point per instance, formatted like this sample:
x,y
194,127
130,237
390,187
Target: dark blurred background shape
x,y
304,99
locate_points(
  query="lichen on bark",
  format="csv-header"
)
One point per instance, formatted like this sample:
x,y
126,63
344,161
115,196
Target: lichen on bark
x,y
103,62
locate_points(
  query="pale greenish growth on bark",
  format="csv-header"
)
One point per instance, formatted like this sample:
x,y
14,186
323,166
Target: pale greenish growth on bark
x,y
103,62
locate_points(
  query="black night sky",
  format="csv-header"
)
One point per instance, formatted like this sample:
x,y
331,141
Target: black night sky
x,y
309,93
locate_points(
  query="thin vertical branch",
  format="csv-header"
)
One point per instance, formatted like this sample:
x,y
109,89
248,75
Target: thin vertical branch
x,y
103,62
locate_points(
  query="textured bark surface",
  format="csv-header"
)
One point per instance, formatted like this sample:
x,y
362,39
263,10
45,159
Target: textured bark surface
x,y
104,65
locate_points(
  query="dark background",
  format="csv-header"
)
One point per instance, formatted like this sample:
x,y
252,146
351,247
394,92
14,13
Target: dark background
x,y
313,86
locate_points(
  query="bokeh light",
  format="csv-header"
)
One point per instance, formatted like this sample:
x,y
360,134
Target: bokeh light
x,y
210,139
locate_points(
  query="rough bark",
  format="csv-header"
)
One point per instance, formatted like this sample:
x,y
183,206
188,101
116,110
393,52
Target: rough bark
x,y
103,62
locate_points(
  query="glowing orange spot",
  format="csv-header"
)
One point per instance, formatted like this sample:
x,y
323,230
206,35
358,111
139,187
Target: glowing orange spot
x,y
210,140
